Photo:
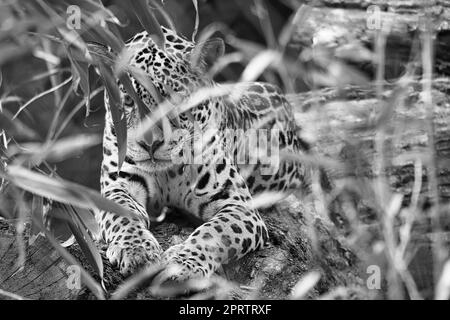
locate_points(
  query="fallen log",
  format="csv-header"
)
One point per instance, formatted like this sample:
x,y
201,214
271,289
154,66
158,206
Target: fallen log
x,y
348,27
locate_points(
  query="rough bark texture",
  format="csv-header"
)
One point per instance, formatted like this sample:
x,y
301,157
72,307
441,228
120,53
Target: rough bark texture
x,y
340,122
346,25
43,275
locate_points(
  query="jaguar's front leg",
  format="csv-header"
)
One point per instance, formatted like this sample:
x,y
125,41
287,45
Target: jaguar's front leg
x,y
233,230
130,243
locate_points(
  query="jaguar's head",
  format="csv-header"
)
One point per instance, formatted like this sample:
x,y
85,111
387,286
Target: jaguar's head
x,y
176,64
175,67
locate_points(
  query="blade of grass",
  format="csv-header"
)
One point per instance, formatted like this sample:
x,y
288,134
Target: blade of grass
x,y
167,19
11,295
197,20
165,108
305,285
135,281
259,64
74,111
62,191
265,23
85,241
145,16
55,151
93,285
14,127
42,94
116,109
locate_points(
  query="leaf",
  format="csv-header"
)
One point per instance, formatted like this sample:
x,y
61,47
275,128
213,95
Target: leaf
x,y
265,23
56,151
354,52
267,199
112,40
197,20
126,82
85,241
117,115
167,19
74,110
62,191
260,63
201,95
225,61
93,285
295,24
144,80
443,285
121,69
37,206
46,56
34,78
15,128
41,95
69,146
56,221
118,16
100,51
80,71
248,48
145,16
135,281
305,284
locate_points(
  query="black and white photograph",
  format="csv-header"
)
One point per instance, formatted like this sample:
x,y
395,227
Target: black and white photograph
x,y
256,152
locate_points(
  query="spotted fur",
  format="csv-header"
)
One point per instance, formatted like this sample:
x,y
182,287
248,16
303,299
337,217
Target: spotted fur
x,y
219,192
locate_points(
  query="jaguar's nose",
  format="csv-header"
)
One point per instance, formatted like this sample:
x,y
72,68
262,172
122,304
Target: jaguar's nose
x,y
150,148
152,139
155,133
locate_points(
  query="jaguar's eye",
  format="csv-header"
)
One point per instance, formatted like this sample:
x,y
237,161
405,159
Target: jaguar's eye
x,y
128,101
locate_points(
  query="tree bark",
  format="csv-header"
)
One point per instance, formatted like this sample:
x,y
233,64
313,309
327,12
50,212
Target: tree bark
x,y
43,275
346,26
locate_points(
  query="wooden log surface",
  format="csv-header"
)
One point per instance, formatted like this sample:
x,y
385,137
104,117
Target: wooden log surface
x,y
346,26
43,275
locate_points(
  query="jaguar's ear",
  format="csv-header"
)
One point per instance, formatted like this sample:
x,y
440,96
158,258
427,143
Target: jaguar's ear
x,y
206,53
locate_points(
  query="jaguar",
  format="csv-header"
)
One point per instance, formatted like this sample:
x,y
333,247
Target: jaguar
x,y
219,190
